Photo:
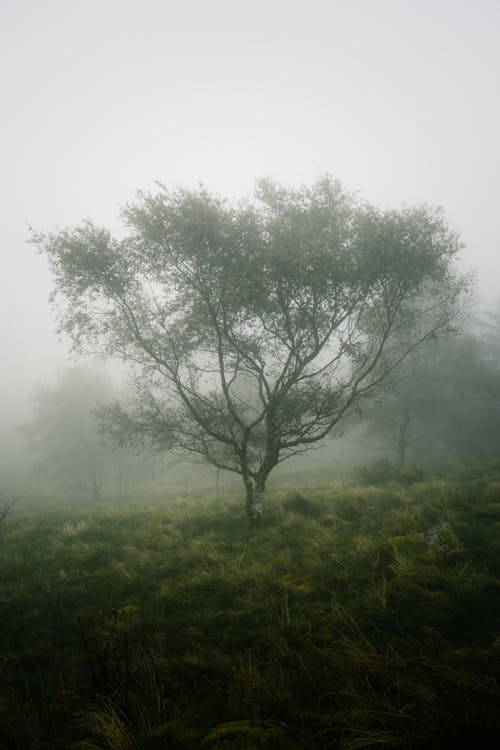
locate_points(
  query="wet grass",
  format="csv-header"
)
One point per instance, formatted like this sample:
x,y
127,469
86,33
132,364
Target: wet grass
x,y
338,625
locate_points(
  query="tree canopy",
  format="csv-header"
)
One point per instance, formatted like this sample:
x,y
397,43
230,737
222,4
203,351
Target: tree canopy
x,y
63,431
445,399
252,329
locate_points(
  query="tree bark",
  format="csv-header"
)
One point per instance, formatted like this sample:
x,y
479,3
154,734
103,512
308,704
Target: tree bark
x,y
255,502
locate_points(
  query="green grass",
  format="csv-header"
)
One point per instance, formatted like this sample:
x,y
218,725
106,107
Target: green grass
x,y
335,626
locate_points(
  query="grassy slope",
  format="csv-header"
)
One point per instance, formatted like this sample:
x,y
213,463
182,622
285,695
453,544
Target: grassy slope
x,y
335,626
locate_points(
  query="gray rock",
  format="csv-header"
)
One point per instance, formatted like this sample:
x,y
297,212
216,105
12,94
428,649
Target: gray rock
x,y
434,535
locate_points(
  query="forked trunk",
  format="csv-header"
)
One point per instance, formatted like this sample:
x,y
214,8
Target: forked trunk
x,y
255,502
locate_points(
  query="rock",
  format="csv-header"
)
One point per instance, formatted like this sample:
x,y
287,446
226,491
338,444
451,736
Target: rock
x,y
434,535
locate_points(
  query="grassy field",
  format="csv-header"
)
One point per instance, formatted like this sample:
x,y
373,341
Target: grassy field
x,y
364,615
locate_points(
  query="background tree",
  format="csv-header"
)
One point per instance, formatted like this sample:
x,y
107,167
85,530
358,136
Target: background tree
x,y
412,410
281,293
5,508
64,432
444,401
473,410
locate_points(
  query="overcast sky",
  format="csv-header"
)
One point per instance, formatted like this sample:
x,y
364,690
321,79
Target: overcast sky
x,y
100,98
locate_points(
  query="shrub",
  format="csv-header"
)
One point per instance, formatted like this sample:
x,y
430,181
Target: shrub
x,y
382,471
297,503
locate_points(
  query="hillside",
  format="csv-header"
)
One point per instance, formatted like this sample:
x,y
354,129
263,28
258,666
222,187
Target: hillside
x,y
361,616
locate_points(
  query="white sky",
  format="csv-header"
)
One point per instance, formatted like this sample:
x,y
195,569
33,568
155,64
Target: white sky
x,y
398,98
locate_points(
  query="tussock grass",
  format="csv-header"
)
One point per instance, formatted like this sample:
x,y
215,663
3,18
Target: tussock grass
x,y
338,625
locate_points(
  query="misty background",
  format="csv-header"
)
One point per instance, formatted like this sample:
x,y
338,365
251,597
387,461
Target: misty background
x,y
99,99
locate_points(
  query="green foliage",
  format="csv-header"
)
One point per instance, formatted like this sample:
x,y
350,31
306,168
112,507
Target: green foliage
x,y
240,323
444,399
337,625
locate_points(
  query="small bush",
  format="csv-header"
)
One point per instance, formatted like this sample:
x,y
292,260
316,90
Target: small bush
x,y
383,471
297,503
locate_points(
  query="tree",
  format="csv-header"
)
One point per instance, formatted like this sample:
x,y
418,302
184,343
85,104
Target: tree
x,y
64,431
208,301
413,410
5,508
444,400
473,409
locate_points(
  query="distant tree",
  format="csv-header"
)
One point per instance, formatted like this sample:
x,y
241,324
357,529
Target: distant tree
x,y
410,411
5,508
443,401
281,293
473,413
64,432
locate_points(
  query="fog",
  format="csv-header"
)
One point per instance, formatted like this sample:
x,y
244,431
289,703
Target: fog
x,y
395,98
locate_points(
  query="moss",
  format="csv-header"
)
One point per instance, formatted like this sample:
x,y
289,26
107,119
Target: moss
x,y
173,735
246,735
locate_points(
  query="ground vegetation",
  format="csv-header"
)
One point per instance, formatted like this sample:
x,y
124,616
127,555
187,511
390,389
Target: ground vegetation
x,y
362,616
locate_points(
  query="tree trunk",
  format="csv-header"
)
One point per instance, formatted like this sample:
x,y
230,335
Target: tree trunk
x,y
404,436
255,502
96,482
123,483
96,489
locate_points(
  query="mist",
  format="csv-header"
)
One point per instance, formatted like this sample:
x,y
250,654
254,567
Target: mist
x,y
145,601
102,101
